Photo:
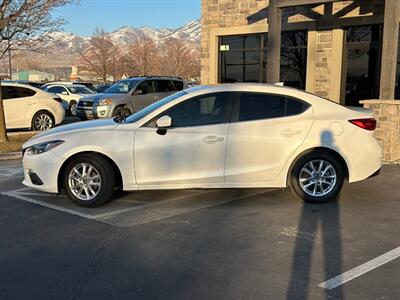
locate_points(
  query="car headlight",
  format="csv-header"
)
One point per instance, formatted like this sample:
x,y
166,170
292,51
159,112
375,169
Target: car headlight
x,y
43,147
106,101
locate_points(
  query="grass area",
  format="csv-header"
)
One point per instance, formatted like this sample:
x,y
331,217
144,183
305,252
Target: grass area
x,y
15,142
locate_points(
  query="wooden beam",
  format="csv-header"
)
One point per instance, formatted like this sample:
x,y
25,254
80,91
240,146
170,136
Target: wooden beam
x,y
274,42
289,3
389,49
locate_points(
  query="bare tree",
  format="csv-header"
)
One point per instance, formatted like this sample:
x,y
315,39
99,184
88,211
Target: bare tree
x,y
179,59
100,56
141,57
24,22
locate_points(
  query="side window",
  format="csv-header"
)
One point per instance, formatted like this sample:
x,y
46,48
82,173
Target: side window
x,y
178,85
257,106
164,86
146,87
203,110
13,92
295,107
4,92
56,89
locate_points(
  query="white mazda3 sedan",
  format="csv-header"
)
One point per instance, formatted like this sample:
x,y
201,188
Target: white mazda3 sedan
x,y
225,136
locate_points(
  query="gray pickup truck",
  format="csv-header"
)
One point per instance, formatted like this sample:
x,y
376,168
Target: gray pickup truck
x,y
128,96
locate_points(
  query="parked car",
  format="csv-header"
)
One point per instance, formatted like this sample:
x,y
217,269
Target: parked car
x,y
88,84
28,107
128,96
69,93
227,136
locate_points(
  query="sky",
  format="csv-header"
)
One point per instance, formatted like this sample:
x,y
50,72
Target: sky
x,y
111,15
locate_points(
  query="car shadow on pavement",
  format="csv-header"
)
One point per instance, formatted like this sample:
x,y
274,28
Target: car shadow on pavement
x,y
327,217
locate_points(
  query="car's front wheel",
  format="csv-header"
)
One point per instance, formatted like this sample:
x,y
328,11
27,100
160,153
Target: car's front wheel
x,y
317,177
72,108
89,180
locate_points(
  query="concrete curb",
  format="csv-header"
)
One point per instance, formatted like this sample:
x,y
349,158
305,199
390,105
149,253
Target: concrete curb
x,y
10,155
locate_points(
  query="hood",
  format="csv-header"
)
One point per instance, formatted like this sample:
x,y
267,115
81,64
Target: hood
x,y
57,132
97,97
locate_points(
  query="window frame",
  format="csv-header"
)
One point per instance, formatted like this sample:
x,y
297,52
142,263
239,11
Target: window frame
x,y
236,106
152,81
226,119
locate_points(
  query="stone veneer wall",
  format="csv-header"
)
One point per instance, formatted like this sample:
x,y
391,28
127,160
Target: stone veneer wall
x,y
387,113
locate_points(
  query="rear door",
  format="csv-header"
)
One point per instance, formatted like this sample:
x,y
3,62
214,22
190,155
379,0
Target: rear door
x,y
19,103
265,131
164,88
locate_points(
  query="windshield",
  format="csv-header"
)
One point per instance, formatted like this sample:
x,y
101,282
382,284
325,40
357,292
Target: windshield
x,y
152,107
79,89
122,86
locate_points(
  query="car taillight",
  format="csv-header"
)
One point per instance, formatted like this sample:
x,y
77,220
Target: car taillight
x,y
367,124
58,99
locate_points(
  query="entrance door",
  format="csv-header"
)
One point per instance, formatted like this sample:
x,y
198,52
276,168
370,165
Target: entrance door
x,y
363,54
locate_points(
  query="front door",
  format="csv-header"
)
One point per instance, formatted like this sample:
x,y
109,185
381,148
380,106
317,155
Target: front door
x,y
265,131
192,152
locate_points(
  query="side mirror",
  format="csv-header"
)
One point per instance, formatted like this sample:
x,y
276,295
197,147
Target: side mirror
x,y
64,93
164,122
138,92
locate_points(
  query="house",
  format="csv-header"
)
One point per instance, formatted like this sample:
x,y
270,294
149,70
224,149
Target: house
x,y
346,51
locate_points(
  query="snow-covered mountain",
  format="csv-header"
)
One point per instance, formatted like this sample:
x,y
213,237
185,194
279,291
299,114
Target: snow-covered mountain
x,y
69,44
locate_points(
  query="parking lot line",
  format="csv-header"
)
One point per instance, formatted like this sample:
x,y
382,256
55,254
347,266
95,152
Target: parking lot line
x,y
361,270
15,194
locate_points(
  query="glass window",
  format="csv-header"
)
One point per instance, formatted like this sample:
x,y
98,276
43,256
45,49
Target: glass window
x,y
397,93
12,92
295,107
164,86
202,110
256,106
122,86
178,85
364,47
56,89
76,89
146,87
294,59
243,58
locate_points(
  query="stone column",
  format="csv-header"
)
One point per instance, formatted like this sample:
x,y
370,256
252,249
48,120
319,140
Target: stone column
x,y
387,113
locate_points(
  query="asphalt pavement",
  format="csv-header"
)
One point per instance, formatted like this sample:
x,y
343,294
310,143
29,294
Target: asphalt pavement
x,y
201,244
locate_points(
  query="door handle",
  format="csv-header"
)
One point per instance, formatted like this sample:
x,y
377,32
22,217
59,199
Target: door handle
x,y
212,139
290,132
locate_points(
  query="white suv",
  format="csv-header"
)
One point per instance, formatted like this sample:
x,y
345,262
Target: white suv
x,y
29,107
69,93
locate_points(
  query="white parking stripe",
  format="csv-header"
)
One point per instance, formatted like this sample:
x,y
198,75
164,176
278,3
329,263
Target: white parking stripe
x,y
361,270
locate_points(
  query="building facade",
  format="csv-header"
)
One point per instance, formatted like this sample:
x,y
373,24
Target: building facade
x,y
346,51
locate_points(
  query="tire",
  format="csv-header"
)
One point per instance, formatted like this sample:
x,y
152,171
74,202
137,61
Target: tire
x,y
314,184
121,113
42,121
79,188
72,108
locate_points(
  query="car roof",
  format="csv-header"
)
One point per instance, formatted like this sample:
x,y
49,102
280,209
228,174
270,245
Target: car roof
x,y
9,83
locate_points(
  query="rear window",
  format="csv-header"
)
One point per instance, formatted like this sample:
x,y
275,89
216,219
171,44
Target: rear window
x,y
13,92
178,85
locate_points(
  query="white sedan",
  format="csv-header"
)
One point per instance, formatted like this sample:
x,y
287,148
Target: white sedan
x,y
28,107
226,136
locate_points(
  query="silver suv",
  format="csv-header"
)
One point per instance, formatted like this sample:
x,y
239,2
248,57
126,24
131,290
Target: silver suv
x,y
128,96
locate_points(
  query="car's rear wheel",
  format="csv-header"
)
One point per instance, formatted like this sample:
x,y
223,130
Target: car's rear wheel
x,y
317,177
42,120
89,180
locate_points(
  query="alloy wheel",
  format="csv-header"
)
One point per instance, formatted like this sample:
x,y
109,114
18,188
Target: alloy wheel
x,y
43,122
317,178
84,181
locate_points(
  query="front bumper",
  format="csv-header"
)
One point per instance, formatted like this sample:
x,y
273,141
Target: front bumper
x,y
44,166
94,112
